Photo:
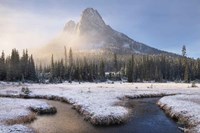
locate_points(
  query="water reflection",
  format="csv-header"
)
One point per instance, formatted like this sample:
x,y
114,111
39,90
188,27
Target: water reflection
x,y
147,118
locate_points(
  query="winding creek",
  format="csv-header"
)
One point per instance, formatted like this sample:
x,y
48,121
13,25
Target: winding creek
x,y
146,117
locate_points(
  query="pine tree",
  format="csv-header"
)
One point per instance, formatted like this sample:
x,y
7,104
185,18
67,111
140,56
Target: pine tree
x,y
14,69
65,57
186,73
70,58
77,73
52,67
129,72
2,67
24,65
115,63
184,51
130,69
186,67
71,64
102,69
32,72
62,69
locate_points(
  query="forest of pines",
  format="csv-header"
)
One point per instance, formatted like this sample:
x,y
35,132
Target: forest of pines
x,y
100,67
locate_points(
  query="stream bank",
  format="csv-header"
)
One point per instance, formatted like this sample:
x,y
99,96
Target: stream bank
x,y
146,117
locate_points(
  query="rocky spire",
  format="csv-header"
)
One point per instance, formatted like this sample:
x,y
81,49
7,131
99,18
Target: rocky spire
x,y
90,21
70,26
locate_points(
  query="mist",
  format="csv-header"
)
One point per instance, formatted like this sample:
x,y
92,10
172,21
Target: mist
x,y
25,30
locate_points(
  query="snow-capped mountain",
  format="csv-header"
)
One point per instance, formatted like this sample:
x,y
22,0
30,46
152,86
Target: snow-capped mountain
x,y
92,33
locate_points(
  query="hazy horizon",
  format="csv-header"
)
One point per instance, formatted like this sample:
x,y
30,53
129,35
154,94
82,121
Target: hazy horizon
x,y
164,25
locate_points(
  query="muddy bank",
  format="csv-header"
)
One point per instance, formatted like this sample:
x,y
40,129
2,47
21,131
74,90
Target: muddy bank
x,y
146,117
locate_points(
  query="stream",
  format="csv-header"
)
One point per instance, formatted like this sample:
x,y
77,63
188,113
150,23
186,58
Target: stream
x,y
146,117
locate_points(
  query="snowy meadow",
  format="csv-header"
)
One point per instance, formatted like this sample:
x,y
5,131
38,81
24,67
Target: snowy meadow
x,y
98,102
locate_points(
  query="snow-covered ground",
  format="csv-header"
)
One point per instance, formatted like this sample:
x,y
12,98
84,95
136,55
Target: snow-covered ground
x,y
185,108
97,102
15,129
14,110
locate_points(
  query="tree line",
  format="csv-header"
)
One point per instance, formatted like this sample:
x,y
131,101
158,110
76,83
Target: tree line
x,y
97,67
73,69
133,68
164,68
16,68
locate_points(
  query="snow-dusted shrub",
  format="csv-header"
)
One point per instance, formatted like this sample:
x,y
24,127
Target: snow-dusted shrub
x,y
25,90
194,84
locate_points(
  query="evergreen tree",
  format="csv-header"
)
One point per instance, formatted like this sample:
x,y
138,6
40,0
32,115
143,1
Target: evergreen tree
x,y
24,65
65,57
186,67
14,69
2,67
184,51
62,69
52,67
102,69
70,58
31,71
115,63
130,69
70,65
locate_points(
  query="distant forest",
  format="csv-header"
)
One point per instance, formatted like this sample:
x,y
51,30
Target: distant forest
x,y
98,67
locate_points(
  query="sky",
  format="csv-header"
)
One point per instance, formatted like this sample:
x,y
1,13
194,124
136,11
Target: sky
x,y
163,24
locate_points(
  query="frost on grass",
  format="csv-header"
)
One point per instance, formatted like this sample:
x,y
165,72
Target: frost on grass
x,y
15,129
184,108
97,102
18,111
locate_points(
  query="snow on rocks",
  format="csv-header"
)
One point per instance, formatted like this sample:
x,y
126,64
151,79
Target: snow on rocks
x,y
19,111
185,108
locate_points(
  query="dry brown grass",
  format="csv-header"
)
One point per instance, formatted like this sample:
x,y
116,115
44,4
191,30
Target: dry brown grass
x,y
179,117
40,111
22,120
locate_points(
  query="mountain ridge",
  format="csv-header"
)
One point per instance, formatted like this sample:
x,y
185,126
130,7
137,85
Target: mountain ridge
x,y
92,33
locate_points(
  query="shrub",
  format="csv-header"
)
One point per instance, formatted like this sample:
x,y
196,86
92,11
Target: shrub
x,y
194,84
25,90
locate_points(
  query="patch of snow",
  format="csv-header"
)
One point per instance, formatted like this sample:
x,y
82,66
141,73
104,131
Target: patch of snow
x,y
14,108
185,108
15,129
126,45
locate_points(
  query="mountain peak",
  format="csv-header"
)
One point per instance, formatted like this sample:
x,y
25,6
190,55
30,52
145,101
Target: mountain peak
x,y
92,33
90,20
70,26
90,12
